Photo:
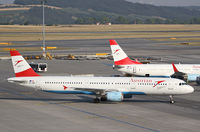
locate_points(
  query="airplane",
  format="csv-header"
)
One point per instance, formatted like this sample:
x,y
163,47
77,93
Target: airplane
x,y
187,72
104,88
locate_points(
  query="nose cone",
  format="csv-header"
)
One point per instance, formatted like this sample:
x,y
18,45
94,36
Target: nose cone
x,y
190,89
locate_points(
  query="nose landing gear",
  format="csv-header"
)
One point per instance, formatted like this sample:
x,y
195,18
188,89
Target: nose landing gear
x,y
171,99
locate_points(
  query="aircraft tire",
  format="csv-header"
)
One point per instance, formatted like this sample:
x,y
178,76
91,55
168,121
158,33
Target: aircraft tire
x,y
96,100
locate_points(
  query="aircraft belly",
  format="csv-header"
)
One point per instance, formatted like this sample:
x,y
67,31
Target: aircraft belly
x,y
158,90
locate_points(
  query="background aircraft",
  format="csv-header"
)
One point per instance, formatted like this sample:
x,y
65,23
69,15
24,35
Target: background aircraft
x,y
124,64
105,88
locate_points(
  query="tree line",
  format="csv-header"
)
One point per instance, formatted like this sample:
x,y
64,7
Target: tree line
x,y
125,20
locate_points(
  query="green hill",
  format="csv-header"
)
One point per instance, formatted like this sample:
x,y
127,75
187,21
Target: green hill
x,y
92,11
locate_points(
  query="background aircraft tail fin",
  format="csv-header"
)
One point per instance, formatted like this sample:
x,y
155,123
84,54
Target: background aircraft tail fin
x,y
119,56
20,65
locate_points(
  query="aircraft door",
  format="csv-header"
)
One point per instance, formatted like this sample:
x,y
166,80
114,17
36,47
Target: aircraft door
x,y
134,69
133,87
170,87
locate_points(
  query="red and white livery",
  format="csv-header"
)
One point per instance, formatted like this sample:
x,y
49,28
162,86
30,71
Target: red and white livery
x,y
104,88
119,56
124,64
21,67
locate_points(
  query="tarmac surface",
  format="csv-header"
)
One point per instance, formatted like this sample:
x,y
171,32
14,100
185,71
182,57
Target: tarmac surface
x,y
23,109
133,47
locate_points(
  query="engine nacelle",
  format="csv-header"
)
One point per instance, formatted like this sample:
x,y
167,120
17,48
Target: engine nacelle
x,y
192,77
114,96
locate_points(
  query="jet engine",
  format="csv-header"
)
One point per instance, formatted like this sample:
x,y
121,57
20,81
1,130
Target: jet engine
x,y
192,77
114,96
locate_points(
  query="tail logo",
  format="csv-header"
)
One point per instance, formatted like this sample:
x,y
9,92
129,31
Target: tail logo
x,y
116,51
158,82
17,62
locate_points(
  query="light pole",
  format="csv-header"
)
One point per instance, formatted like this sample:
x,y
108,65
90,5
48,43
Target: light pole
x,y
43,28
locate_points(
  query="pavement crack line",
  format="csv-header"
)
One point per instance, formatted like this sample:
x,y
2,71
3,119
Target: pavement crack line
x,y
89,113
106,117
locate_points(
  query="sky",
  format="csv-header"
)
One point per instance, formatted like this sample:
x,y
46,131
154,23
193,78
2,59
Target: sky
x,y
153,2
169,2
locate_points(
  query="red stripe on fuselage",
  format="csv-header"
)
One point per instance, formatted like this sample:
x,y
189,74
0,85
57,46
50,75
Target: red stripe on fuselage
x,y
65,87
158,82
14,53
27,73
126,61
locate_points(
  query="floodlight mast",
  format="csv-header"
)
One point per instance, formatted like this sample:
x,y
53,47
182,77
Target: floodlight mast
x,y
43,28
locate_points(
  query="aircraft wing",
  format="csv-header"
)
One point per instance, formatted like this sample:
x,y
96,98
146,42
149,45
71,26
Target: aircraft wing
x,y
177,73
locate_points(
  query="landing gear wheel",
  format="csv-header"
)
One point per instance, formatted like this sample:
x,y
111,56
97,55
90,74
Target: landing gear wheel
x,y
96,100
103,98
171,99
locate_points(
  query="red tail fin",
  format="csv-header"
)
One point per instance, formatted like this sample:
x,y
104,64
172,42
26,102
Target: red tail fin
x,y
120,57
21,67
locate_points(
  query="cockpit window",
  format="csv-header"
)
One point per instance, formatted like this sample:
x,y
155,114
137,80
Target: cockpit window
x,y
180,84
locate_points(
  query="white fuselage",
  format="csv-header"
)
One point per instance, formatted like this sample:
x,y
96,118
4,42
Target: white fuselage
x,y
158,70
88,85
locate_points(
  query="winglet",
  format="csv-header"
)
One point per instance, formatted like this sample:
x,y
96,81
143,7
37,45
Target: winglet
x,y
119,56
174,67
20,65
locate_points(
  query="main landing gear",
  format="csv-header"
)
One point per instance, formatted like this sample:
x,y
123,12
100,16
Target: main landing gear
x,y
171,99
99,98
